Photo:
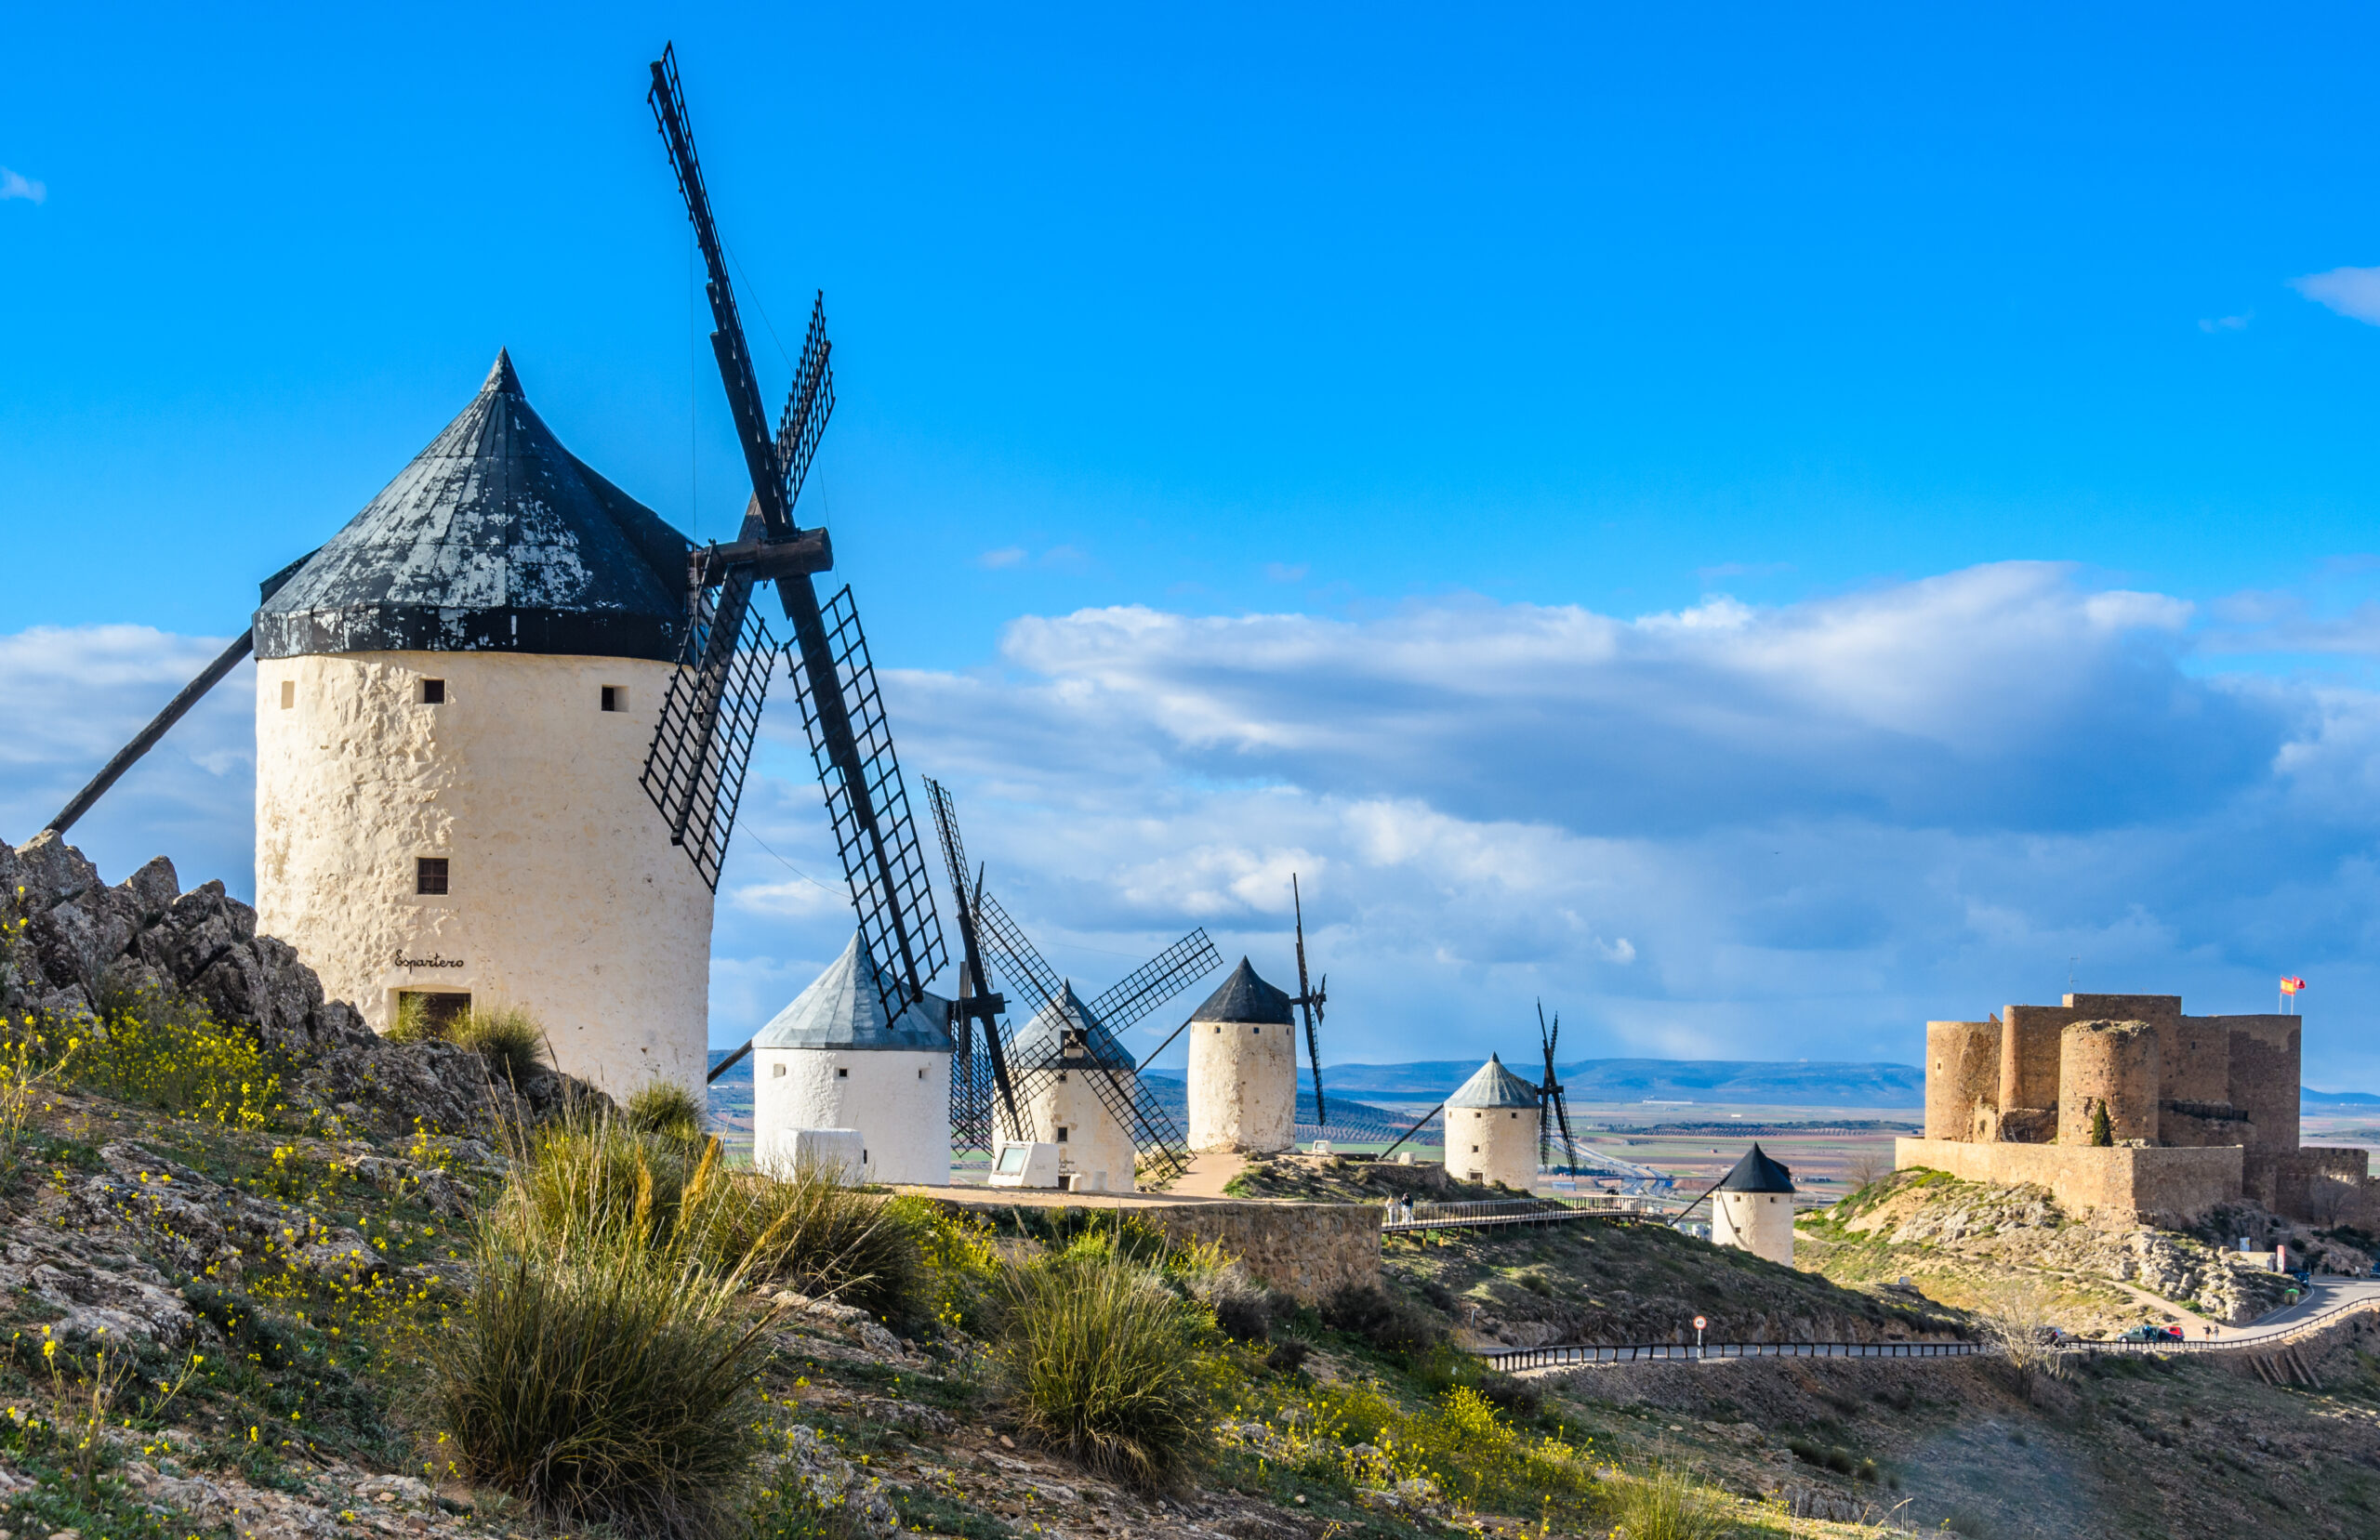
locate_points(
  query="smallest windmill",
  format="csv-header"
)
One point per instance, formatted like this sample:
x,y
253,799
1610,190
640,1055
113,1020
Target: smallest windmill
x,y
1553,1114
1309,999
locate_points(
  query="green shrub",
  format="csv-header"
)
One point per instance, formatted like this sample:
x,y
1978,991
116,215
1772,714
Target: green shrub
x,y
506,1036
1104,1362
1667,1504
665,1107
1387,1321
604,1384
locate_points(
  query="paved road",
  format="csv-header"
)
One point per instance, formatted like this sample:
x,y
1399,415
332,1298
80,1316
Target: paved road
x,y
2328,1294
2328,1297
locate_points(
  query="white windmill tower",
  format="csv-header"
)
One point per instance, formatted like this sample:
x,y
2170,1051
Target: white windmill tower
x,y
833,1059
454,697
1492,1123
478,772
1752,1207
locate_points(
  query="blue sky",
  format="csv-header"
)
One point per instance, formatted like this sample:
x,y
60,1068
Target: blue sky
x,y
1764,527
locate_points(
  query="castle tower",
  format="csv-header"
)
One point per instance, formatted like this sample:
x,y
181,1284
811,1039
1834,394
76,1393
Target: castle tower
x,y
1752,1207
1491,1128
1244,1068
832,1059
1067,1109
1962,1075
2111,1064
454,700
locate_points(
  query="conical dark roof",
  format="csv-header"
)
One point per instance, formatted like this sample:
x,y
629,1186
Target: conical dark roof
x,y
1494,1086
1038,1037
1757,1173
1245,997
495,538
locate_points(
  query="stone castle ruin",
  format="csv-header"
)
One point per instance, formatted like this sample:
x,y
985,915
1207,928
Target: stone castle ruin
x,y
2120,1103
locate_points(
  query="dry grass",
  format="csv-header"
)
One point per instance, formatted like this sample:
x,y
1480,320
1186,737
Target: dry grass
x,y
1668,1503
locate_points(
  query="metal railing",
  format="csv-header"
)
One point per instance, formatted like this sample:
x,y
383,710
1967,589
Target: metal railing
x,y
2280,1336
1502,1211
1654,1352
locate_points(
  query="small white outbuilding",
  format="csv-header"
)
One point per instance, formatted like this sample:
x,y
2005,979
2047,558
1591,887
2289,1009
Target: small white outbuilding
x,y
1491,1128
1752,1209
833,1059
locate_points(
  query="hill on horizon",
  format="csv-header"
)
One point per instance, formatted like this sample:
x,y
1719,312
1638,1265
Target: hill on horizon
x,y
1815,1082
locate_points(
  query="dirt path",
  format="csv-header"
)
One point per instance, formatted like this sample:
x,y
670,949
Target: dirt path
x,y
1209,1171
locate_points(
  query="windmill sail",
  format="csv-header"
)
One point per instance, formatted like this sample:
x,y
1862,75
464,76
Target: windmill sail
x,y
1157,981
1310,1000
976,1077
689,768
1077,1039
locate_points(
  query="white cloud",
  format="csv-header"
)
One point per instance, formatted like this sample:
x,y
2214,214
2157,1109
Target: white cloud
x,y
1007,556
2353,292
1737,830
14,186
1282,572
2228,322
73,697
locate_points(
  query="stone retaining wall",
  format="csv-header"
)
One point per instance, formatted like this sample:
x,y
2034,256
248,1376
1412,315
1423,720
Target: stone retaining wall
x,y
2133,1184
1301,1249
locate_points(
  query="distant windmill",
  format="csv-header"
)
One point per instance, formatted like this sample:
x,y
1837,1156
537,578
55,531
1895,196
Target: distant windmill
x,y
1064,1036
1309,999
1552,1111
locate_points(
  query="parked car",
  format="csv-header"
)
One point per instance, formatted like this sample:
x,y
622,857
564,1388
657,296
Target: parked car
x,y
2152,1333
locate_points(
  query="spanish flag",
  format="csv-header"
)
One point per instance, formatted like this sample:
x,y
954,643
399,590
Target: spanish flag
x,y
2290,986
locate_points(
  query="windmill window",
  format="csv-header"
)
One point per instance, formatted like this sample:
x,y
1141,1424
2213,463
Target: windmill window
x,y
922,1074
430,875
842,1074
433,691
288,693
777,1071
615,697
1061,1133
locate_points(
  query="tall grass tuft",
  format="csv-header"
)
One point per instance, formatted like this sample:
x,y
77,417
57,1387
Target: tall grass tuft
x,y
665,1107
1106,1363
506,1036
809,1232
414,1022
603,1373
1667,1504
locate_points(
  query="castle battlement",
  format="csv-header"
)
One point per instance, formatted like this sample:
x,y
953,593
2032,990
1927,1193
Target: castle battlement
x,y
2123,1104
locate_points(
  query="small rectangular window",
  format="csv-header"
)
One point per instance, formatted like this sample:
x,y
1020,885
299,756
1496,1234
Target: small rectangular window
x,y
615,697
433,691
288,693
1062,1134
430,875
842,1074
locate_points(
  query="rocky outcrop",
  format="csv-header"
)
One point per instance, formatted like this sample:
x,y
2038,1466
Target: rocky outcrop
x,y
71,945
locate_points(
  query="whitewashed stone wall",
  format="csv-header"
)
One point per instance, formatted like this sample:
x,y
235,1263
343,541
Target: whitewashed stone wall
x,y
899,1101
565,895
1243,1087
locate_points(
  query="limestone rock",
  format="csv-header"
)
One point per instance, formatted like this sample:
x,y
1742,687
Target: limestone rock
x,y
85,943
